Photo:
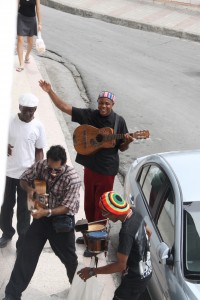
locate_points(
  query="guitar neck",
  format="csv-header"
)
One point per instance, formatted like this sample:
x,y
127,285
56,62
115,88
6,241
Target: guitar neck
x,y
117,136
141,134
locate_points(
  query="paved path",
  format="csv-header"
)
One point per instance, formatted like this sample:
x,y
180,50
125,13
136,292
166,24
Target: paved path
x,y
165,18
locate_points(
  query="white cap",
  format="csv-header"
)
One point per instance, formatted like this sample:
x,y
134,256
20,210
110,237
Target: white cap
x,y
28,100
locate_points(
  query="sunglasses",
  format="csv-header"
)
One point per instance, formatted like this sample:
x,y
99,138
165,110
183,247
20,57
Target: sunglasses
x,y
51,170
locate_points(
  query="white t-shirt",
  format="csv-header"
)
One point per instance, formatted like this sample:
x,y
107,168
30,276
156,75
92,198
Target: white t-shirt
x,y
25,138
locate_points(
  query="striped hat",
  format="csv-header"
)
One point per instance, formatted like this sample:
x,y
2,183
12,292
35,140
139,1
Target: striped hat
x,y
113,203
108,95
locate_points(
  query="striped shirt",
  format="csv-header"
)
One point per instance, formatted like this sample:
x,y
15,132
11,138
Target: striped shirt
x,y
64,189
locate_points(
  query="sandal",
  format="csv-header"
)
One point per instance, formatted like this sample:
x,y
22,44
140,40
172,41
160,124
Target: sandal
x,y
19,69
27,60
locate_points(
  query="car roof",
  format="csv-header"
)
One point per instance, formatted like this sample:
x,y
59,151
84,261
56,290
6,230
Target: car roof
x,y
186,166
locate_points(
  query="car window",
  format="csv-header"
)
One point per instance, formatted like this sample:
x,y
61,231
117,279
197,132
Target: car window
x,y
160,198
152,180
165,222
192,239
143,175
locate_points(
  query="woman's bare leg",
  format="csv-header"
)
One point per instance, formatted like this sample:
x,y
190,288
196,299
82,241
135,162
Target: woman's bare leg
x,y
20,42
29,47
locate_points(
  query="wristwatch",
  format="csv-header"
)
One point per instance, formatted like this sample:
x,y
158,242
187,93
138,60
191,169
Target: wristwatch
x,y
49,213
92,273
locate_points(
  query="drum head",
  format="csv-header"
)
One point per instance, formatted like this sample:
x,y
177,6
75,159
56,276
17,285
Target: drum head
x,y
97,235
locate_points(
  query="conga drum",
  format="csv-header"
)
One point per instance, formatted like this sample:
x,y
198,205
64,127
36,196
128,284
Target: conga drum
x,y
97,241
96,226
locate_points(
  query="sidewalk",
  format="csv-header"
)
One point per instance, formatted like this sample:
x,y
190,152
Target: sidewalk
x,y
50,280
168,18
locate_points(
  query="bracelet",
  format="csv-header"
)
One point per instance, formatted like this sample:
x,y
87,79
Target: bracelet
x,y
92,272
49,213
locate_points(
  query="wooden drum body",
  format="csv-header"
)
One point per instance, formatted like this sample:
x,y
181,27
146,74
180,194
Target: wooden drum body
x,y
97,241
96,236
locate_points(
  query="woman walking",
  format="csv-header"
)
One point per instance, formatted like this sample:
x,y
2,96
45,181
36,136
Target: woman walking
x,y
27,23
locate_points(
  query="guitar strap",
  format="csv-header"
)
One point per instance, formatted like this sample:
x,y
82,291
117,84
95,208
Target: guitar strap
x,y
116,123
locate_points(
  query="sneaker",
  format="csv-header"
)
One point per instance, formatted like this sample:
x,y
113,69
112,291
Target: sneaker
x,y
80,240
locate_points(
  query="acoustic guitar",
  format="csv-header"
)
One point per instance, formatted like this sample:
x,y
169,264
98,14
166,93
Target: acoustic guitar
x,y
40,197
88,139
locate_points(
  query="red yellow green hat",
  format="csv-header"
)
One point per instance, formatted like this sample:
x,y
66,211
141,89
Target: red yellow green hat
x,y
113,203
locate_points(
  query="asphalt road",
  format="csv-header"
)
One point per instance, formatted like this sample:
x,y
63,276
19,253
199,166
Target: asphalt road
x,y
155,78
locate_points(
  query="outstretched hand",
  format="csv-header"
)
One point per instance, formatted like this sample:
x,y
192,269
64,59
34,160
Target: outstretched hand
x,y
45,86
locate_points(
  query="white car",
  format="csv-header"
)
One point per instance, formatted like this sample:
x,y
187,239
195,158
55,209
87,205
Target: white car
x,y
165,189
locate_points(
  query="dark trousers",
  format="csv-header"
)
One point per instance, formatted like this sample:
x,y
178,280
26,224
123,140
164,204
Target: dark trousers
x,y
95,185
63,245
23,215
131,288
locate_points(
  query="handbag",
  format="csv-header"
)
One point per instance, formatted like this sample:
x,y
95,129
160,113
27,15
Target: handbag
x,y
63,223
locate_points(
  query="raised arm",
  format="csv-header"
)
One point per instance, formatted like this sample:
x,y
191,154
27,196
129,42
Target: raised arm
x,y
65,107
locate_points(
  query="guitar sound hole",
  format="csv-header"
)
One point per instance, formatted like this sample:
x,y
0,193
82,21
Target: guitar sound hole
x,y
99,138
42,199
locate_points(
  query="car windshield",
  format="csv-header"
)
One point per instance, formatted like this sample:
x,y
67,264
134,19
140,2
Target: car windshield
x,y
192,240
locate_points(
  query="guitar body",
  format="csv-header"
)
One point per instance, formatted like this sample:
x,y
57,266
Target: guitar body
x,y
89,139
40,198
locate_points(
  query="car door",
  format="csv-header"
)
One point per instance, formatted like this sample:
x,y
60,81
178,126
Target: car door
x,y
152,183
164,220
159,203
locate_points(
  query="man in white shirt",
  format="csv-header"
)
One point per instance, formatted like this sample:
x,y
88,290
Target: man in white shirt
x,y
26,141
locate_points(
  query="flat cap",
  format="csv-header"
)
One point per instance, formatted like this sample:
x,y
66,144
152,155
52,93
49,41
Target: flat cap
x,y
28,100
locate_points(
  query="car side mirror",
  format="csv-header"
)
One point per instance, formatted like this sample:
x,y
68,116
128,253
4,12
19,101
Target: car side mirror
x,y
163,252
